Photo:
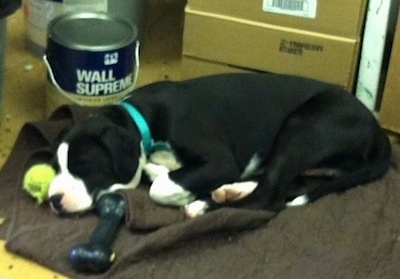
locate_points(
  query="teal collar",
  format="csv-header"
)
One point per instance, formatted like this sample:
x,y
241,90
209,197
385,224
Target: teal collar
x,y
144,129
141,124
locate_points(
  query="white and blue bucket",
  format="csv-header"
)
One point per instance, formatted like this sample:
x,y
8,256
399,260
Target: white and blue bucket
x,y
92,59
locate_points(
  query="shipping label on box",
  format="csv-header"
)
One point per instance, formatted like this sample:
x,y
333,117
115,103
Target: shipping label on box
x,y
344,18
301,8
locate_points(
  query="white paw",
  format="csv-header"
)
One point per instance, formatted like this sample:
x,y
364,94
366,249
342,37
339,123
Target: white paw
x,y
153,170
196,208
167,192
300,200
234,191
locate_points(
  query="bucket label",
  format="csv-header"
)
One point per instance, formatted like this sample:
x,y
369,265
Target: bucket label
x,y
92,77
99,83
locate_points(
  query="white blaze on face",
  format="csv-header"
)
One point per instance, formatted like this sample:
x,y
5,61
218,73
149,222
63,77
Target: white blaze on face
x,y
75,196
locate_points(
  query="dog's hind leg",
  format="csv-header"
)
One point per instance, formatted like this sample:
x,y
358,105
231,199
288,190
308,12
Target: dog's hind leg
x,y
238,190
329,132
315,137
286,163
298,152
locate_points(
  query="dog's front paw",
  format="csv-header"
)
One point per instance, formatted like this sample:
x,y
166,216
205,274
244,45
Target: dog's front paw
x,y
153,170
167,192
195,209
233,192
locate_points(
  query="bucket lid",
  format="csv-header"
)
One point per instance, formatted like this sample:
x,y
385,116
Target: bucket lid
x,y
91,31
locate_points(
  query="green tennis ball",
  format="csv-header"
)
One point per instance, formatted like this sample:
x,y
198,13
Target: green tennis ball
x,y
37,181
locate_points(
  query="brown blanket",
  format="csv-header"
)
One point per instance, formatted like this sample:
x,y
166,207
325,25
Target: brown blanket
x,y
352,235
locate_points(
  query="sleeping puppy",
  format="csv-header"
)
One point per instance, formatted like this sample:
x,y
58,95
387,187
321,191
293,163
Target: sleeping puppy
x,y
254,141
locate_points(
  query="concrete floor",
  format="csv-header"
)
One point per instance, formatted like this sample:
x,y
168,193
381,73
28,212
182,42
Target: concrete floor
x,y
25,85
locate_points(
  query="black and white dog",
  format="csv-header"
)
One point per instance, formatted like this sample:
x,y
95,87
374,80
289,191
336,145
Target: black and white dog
x,y
255,141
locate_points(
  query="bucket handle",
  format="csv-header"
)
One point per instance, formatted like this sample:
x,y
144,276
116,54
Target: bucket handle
x,y
66,94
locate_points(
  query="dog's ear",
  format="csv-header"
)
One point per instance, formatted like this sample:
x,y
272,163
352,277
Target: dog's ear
x,y
125,152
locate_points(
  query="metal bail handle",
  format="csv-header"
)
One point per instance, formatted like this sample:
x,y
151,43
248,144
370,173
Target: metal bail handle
x,y
68,95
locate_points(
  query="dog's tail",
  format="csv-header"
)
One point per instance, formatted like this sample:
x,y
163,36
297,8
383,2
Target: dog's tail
x,y
376,166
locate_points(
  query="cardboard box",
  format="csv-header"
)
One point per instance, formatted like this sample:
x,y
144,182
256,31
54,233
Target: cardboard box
x,y
193,68
271,48
389,113
340,17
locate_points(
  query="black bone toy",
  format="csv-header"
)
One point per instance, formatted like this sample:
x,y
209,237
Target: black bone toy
x,y
97,256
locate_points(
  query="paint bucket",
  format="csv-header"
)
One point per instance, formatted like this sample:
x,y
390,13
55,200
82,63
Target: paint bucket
x,y
39,13
92,59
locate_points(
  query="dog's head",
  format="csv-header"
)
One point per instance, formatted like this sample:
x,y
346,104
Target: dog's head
x,y
95,157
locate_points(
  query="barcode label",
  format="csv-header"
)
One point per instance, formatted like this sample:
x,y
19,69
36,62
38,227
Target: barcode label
x,y
301,8
292,5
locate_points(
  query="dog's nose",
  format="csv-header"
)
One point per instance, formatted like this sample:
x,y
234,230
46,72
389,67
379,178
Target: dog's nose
x,y
55,202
